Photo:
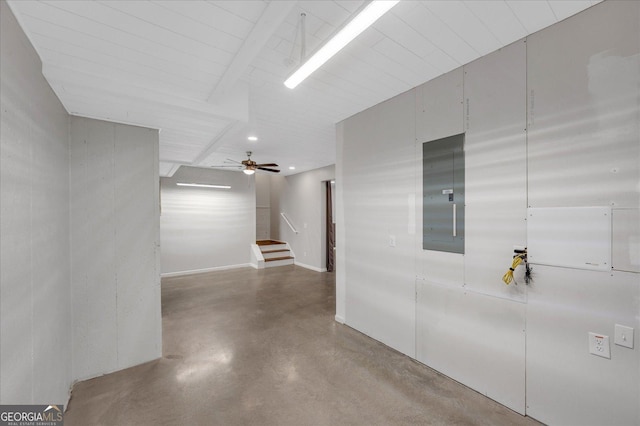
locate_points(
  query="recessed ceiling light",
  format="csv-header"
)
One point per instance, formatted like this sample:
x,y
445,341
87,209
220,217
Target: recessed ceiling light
x,y
253,138
292,168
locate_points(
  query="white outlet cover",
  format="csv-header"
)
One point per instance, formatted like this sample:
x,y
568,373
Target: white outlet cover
x,y
623,336
599,345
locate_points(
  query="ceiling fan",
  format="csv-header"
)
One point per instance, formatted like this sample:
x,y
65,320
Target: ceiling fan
x,y
249,166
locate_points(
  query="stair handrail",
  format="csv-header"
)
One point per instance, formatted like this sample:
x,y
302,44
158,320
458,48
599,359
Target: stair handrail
x,y
286,219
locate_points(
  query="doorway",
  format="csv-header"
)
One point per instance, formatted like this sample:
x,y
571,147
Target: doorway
x,y
330,224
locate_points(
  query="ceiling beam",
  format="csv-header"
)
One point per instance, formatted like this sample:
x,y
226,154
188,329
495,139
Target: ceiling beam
x,y
213,145
271,19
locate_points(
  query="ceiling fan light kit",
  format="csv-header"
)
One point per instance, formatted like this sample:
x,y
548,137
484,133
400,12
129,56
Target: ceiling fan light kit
x,y
249,166
364,19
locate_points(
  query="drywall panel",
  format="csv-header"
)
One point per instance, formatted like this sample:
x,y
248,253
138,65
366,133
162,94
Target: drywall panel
x,y
263,189
303,201
275,194
341,240
439,107
571,237
584,150
625,254
263,206
114,242
583,111
475,339
496,169
438,114
137,242
93,254
566,384
35,306
377,170
206,228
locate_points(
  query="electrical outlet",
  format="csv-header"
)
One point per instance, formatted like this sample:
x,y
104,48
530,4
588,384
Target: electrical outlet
x,y
599,345
623,336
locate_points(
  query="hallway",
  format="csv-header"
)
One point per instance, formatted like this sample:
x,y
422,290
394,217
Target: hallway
x,y
261,347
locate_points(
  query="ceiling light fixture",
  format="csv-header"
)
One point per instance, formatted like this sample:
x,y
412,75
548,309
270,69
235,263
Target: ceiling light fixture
x,y
204,185
252,138
248,171
367,16
292,168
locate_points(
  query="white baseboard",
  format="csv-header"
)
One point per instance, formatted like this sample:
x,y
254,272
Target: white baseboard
x,y
200,271
313,268
339,319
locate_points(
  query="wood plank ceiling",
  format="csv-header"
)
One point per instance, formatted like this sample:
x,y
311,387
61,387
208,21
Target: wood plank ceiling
x,y
210,73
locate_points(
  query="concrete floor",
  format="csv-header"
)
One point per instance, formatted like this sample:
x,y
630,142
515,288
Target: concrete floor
x,y
261,347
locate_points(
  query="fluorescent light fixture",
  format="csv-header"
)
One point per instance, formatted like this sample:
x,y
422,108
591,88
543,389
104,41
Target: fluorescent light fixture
x,y
361,22
252,138
248,171
204,185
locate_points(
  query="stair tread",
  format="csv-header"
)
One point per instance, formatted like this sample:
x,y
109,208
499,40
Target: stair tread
x,y
274,251
279,258
268,242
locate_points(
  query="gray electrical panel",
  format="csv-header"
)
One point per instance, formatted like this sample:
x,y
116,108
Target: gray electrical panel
x,y
443,194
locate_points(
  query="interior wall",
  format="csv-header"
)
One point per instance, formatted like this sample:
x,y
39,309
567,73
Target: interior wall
x,y
378,156
204,229
35,277
275,194
114,246
302,201
551,121
263,206
584,150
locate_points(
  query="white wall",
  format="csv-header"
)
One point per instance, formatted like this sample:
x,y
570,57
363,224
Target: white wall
x,y
114,246
277,183
80,285
263,206
377,170
302,199
204,229
550,121
584,150
35,292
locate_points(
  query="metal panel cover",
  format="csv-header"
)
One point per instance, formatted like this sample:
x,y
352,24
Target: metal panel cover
x,y
443,194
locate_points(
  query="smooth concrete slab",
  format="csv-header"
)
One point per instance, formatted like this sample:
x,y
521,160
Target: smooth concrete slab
x,y
261,347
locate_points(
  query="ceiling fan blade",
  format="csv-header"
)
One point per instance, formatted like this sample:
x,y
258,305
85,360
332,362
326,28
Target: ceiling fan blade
x,y
267,165
268,170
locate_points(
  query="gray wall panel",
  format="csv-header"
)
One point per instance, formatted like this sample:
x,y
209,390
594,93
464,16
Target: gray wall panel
x,y
114,219
35,306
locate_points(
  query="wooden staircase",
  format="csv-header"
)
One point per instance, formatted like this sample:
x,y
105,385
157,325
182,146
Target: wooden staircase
x,y
275,253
